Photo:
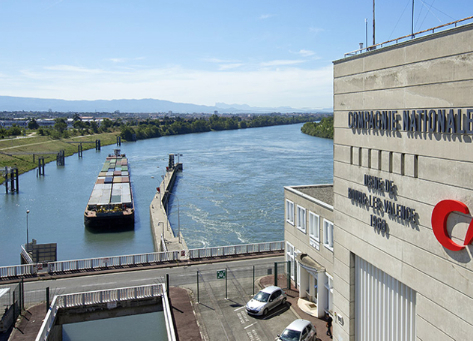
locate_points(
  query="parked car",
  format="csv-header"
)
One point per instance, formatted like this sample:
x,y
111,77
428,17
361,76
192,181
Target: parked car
x,y
299,330
265,300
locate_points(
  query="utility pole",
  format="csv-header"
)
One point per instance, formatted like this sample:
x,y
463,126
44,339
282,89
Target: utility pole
x,y
374,26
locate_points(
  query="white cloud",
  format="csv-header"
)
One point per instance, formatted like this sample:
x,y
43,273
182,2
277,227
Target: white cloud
x,y
219,61
268,87
229,66
73,69
124,60
118,60
306,53
316,29
281,62
266,16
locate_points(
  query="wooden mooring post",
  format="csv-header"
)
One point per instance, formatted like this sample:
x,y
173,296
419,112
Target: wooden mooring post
x,y
11,176
97,144
41,165
79,150
60,158
119,141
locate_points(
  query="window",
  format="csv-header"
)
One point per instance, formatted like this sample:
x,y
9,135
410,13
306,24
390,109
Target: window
x,y
328,234
290,212
314,226
314,230
301,218
290,257
329,288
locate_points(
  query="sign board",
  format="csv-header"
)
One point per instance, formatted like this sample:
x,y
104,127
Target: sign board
x,y
221,274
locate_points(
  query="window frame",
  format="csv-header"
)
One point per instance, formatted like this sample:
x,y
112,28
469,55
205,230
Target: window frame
x,y
290,256
301,223
328,234
290,212
314,227
329,287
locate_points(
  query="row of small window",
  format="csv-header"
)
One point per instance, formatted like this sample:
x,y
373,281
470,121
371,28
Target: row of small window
x,y
392,162
314,225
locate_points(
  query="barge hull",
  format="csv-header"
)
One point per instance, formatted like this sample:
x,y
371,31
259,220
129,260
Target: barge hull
x,y
111,205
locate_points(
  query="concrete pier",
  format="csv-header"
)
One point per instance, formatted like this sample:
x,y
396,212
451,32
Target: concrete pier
x,y
164,238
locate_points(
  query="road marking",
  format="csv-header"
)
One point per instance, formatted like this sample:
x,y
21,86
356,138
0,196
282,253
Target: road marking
x,y
95,284
239,308
250,325
253,335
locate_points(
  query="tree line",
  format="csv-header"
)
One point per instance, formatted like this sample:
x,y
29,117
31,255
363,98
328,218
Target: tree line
x,y
138,129
324,128
174,126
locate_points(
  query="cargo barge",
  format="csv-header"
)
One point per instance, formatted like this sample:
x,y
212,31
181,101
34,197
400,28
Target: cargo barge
x,y
111,205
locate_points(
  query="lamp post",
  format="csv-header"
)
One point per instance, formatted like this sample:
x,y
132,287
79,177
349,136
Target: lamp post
x,y
177,157
164,189
27,236
178,218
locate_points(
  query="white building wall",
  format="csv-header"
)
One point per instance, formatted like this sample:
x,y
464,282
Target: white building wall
x,y
434,72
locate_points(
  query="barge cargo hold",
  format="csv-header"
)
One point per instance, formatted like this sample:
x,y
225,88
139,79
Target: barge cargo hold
x,y
111,205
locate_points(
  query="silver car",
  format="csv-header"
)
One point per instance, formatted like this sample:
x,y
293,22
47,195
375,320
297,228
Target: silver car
x,y
265,300
299,330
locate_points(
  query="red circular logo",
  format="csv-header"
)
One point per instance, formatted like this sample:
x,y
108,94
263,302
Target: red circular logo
x,y
439,223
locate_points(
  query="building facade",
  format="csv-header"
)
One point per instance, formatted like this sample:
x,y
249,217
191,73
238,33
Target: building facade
x,y
403,187
308,233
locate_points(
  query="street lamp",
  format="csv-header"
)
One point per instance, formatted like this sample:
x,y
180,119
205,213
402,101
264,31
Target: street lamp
x,y
177,157
27,237
178,217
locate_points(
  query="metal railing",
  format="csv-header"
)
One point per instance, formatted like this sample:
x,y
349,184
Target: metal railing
x,y
232,250
139,259
410,36
114,261
26,255
18,270
104,296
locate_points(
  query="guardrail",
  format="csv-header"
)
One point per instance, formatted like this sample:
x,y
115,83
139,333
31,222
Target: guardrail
x,y
235,250
409,36
26,255
104,296
139,259
18,270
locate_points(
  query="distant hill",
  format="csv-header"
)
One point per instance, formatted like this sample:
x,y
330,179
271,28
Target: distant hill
x,y
8,103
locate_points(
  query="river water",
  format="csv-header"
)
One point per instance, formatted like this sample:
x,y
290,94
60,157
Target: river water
x,y
230,192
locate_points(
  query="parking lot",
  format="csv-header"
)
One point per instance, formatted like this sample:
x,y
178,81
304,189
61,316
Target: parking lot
x,y
227,318
221,310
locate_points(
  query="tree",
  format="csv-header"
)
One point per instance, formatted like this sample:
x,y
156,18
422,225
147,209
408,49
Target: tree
x,y
106,123
324,128
33,124
94,126
60,125
14,130
127,133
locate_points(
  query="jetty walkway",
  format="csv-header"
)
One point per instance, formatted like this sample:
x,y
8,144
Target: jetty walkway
x,y
164,239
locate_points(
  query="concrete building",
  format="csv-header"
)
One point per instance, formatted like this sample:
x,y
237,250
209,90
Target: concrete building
x,y
308,232
402,264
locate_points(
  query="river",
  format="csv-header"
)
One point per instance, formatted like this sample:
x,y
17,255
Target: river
x,y
230,192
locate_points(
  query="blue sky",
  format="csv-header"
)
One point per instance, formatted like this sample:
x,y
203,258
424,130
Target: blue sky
x,y
260,53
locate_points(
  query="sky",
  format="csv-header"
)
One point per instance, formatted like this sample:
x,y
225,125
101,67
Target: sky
x,y
255,52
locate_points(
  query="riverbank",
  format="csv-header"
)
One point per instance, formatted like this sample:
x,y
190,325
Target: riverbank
x,y
20,152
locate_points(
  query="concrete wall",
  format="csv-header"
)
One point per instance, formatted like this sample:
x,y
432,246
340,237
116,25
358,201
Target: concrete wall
x,y
433,72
